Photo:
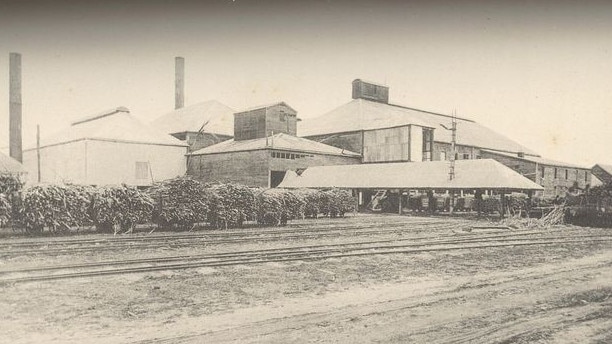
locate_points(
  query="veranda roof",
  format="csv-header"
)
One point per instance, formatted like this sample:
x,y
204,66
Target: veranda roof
x,y
469,174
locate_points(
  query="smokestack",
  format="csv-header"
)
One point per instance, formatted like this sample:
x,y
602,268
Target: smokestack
x,y
179,82
15,106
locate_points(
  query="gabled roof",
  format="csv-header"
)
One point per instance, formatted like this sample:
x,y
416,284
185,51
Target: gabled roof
x,y
469,174
538,160
361,114
606,168
279,141
9,165
113,125
211,116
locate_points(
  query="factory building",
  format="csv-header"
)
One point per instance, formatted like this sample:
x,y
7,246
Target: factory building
x,y
264,147
383,132
112,147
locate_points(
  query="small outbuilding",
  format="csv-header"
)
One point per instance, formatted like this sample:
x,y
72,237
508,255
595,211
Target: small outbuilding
x,y
112,147
264,147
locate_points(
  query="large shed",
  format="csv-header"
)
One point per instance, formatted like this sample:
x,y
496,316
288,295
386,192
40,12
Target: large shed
x,y
112,147
484,174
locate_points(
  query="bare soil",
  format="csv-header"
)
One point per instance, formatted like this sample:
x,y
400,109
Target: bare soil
x,y
558,293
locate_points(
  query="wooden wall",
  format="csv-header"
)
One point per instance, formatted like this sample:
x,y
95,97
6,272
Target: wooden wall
x,y
261,122
252,167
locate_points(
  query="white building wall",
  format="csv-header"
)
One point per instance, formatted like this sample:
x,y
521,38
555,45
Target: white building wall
x,y
104,162
416,143
115,162
62,163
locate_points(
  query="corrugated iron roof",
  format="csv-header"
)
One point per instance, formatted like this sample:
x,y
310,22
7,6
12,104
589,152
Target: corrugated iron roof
x,y
361,114
9,165
116,126
210,116
279,141
265,106
469,174
537,159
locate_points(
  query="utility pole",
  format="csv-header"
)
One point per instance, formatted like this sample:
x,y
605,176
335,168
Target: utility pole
x,y
453,129
451,173
38,151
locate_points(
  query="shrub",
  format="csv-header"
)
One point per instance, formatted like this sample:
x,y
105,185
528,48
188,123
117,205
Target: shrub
x,y
180,203
270,208
120,207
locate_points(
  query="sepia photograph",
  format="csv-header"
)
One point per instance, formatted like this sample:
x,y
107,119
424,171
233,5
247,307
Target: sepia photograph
x,y
321,171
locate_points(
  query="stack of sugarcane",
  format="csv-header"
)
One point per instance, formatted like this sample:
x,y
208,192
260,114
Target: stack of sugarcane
x,y
56,207
230,205
180,203
554,217
117,208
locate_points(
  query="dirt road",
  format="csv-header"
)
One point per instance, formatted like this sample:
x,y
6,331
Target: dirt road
x,y
558,293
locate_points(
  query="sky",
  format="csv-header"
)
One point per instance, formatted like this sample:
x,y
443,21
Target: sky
x,y
539,72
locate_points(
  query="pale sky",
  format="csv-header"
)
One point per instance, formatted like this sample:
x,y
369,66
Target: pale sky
x,y
540,74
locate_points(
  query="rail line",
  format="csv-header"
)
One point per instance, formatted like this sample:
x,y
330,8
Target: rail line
x,y
313,252
202,240
218,233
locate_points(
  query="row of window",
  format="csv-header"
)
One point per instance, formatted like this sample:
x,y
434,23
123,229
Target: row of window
x,y
556,174
463,156
291,156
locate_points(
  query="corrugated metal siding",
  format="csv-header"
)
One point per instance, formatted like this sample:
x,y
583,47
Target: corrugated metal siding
x,y
391,144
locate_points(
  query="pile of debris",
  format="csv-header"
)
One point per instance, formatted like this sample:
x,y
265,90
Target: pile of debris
x,y
555,217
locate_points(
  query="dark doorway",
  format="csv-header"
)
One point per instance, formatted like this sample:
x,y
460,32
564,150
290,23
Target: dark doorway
x,y
276,177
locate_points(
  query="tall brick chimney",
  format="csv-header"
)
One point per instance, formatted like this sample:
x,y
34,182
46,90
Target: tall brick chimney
x,y
15,148
179,82
370,91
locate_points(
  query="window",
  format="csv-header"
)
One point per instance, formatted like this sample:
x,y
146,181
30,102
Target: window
x,y
427,144
566,174
465,156
282,116
442,156
556,173
142,169
586,176
542,173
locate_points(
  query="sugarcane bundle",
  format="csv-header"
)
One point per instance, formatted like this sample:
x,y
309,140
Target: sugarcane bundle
x,y
120,207
293,203
270,208
180,203
56,207
5,210
231,205
312,201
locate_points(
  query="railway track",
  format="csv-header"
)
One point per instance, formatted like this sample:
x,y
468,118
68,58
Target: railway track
x,y
186,240
288,254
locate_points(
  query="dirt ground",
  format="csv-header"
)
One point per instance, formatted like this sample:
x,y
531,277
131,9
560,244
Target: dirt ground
x,y
558,293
